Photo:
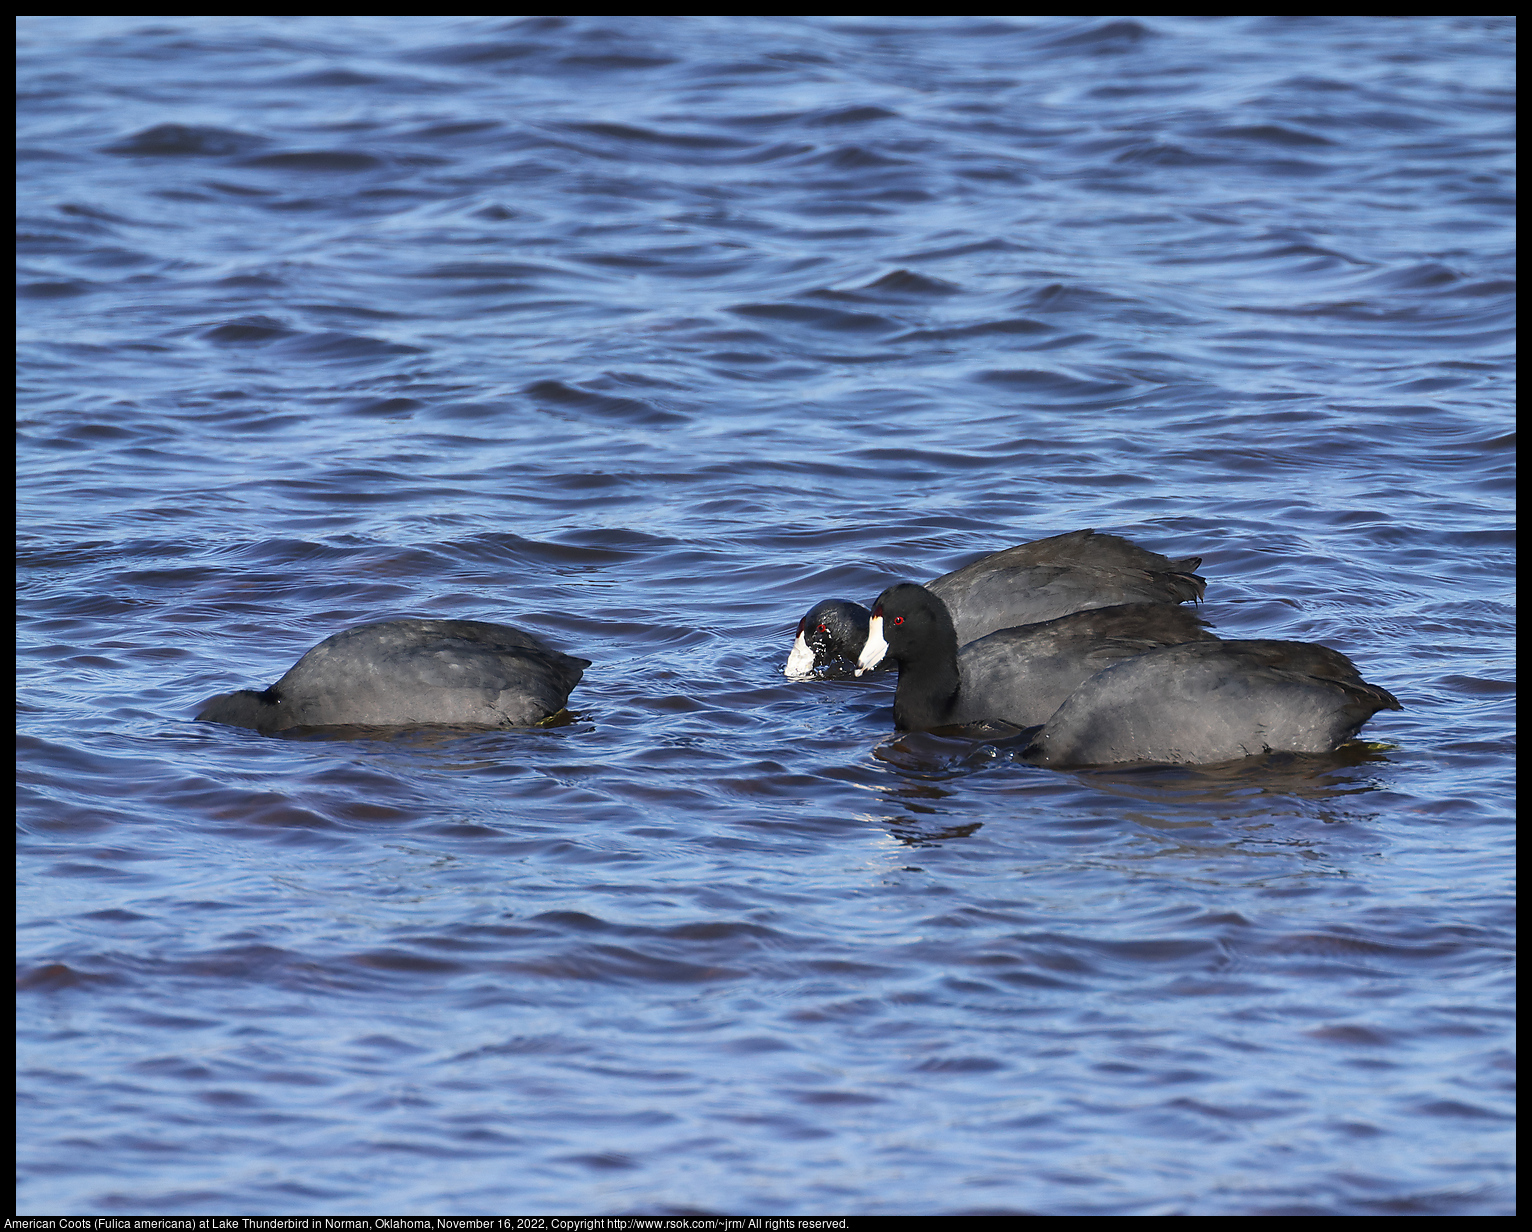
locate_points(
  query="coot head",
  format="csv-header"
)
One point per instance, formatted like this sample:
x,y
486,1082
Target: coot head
x,y
833,630
907,620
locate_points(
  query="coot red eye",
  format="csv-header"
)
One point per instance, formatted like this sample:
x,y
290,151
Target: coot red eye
x,y
898,620
822,629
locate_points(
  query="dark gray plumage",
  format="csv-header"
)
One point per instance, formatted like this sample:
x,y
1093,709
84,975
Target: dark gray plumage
x,y
411,673
1212,701
1053,577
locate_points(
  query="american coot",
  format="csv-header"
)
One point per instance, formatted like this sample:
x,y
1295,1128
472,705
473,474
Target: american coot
x,y
1211,701
1016,675
1023,585
411,673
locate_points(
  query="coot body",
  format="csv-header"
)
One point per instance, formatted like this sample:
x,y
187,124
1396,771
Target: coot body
x,y
1209,702
411,673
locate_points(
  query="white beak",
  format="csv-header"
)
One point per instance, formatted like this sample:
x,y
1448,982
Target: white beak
x,y
801,661
873,652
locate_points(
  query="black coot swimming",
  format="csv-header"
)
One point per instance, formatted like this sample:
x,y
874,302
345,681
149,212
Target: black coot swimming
x,y
1120,685
1022,585
411,673
1019,675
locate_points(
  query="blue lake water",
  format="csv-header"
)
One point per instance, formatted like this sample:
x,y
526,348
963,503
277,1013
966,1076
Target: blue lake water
x,y
644,334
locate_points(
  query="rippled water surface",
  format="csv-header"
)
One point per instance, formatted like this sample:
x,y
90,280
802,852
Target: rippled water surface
x,y
644,334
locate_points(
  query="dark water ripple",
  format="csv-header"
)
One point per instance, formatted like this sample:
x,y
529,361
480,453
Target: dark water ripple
x,y
644,334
